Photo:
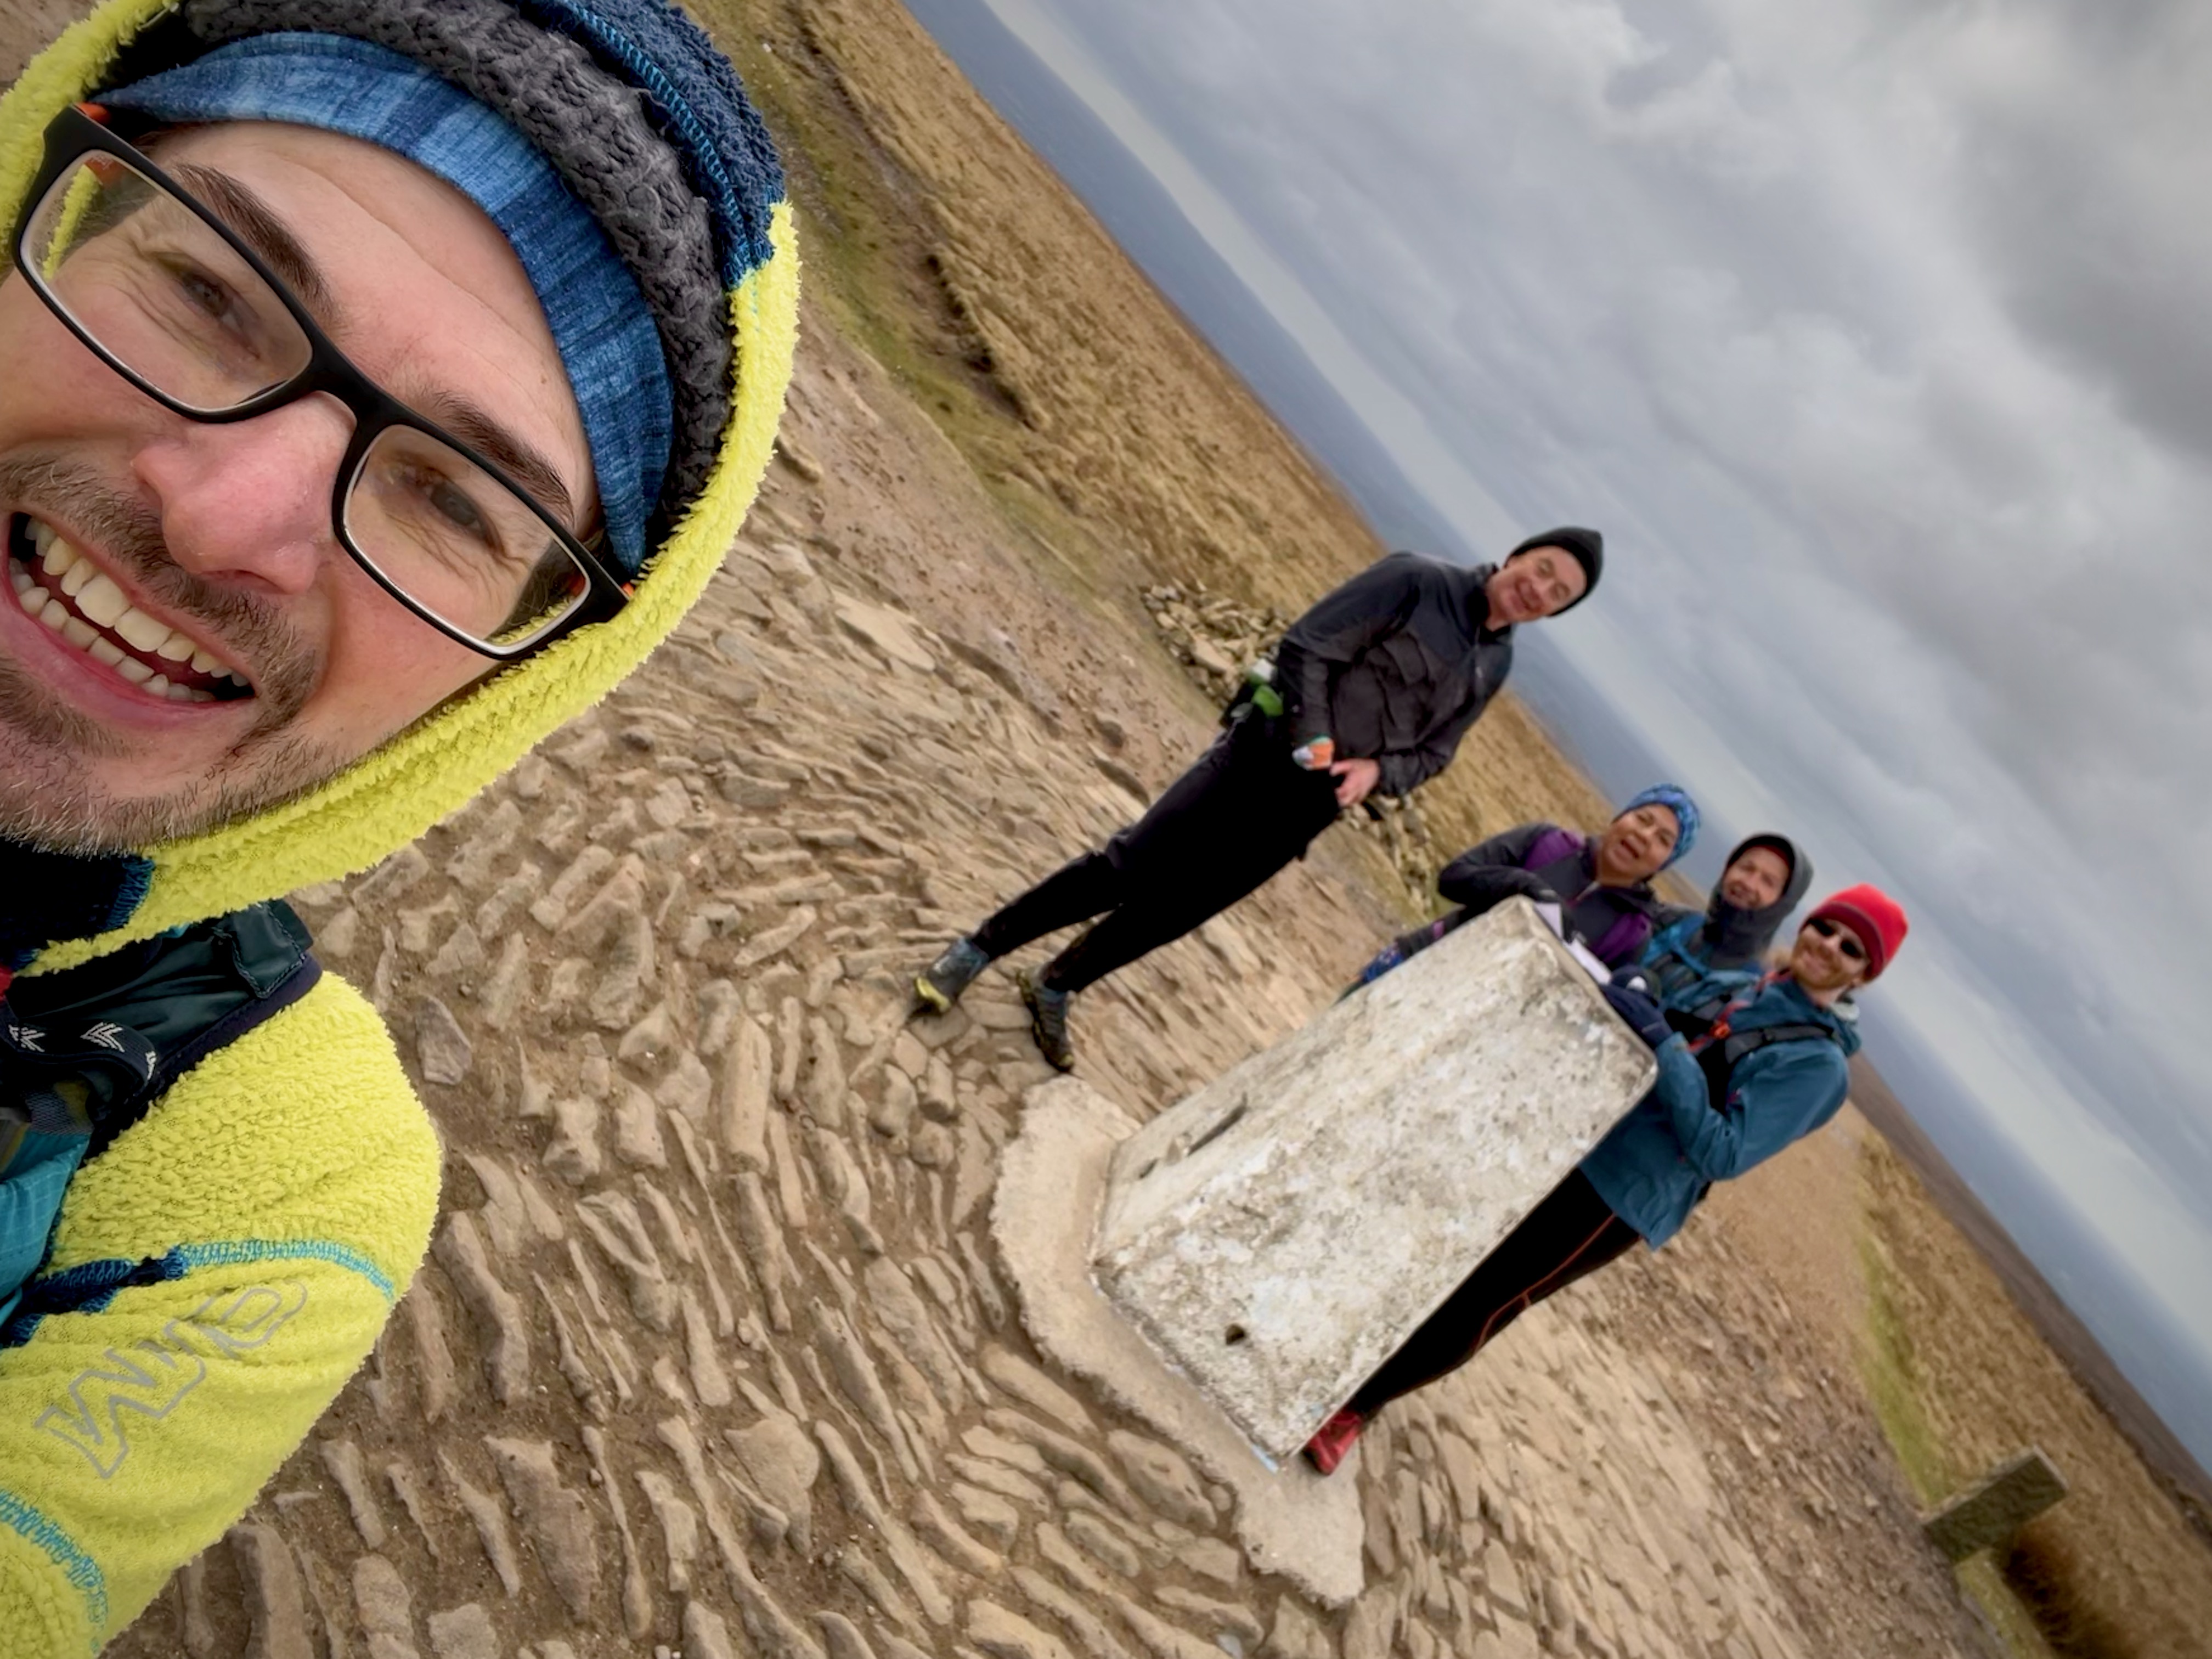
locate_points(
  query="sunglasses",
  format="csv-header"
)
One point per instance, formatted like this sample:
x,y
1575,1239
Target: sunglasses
x,y
1846,940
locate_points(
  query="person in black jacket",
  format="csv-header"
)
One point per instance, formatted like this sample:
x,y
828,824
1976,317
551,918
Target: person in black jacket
x,y
1372,689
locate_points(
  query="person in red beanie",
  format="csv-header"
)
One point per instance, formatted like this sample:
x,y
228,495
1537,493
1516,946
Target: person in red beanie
x,y
1749,1062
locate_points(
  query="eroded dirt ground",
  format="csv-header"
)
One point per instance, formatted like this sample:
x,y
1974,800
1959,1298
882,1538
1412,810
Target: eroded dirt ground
x,y
710,1357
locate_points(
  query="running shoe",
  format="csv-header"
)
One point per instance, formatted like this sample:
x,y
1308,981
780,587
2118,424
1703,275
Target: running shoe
x,y
1333,1441
938,986
1048,1022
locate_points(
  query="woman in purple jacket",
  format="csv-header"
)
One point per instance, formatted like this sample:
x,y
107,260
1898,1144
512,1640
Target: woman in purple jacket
x,y
1602,882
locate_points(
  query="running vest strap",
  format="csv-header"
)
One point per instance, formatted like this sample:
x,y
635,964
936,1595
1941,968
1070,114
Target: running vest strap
x,y
137,1020
1717,1048
85,1054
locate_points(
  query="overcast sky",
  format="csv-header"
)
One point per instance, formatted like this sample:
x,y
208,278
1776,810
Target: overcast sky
x,y
1875,335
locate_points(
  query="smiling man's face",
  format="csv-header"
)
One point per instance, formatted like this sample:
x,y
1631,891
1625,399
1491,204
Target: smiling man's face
x,y
1534,583
188,641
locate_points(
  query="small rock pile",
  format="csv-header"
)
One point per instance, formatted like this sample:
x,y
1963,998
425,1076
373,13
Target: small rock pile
x,y
1217,638
1214,636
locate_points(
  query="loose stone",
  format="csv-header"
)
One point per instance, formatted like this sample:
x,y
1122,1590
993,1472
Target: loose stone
x,y
275,1597
556,1518
944,1534
1088,1628
498,1315
1004,1635
1211,1559
613,1222
842,1637
400,1476
985,1512
490,1516
1162,1478
384,1609
1217,1618
1102,1543
679,1528
1033,1387
441,1047
1069,1456
463,1632
1296,1634
342,1458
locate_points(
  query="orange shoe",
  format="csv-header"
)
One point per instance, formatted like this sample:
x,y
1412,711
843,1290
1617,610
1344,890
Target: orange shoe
x,y
1333,1442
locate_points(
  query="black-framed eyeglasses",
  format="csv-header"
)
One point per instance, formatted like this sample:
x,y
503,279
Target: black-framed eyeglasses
x,y
1846,940
173,300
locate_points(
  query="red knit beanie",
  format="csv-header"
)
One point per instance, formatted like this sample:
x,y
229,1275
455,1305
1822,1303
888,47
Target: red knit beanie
x,y
1876,919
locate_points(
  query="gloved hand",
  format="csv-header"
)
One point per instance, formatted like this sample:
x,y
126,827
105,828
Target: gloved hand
x,y
1318,756
1639,1012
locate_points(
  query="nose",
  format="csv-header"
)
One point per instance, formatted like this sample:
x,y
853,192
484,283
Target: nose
x,y
249,502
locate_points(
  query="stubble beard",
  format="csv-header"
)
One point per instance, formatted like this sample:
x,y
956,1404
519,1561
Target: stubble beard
x,y
48,798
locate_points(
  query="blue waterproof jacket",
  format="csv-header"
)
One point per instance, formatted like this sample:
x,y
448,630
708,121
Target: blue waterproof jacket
x,y
1657,1161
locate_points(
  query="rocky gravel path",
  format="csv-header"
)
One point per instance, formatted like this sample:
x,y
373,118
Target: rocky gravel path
x,y
710,1357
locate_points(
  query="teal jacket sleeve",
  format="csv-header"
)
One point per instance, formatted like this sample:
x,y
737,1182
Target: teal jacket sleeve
x,y
1776,1095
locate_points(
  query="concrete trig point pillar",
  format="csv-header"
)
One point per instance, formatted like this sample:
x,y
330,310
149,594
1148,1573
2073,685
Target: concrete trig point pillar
x,y
1280,1233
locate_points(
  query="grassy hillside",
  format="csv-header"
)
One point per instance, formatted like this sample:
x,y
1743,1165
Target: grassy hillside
x,y
1962,1378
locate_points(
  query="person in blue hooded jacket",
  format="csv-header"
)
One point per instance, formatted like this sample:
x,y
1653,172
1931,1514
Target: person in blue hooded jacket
x,y
1765,878
1748,1064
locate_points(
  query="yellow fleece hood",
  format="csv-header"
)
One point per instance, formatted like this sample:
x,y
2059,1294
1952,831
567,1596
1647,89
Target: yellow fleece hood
x,y
395,794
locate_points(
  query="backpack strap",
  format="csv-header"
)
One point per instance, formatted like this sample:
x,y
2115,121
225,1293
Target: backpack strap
x,y
1718,1059
67,1067
272,965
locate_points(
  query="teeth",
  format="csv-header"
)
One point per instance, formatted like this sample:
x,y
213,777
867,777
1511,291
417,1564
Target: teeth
x,y
101,600
141,631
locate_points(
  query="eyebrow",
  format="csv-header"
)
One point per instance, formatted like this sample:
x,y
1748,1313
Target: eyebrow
x,y
521,461
258,225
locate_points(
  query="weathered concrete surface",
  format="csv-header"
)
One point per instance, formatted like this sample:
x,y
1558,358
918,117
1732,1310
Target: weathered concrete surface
x,y
1051,1178
1996,1506
1279,1233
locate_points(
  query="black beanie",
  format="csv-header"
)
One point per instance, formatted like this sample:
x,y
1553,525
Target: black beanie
x,y
1585,547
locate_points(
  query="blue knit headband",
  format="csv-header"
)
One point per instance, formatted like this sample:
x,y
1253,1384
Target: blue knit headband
x,y
600,324
1677,802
